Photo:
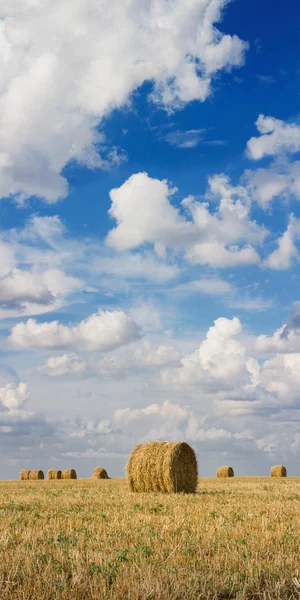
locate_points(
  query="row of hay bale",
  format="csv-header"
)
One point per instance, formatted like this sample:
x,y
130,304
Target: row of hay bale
x,y
171,467
26,474
276,471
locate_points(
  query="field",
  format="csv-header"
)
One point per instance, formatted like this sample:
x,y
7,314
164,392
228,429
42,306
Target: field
x,y
236,538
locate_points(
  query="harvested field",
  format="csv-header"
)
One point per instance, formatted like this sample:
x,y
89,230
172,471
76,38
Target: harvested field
x,y
234,539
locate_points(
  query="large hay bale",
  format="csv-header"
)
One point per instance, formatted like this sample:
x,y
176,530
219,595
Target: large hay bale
x,y
225,472
24,475
69,474
37,474
54,474
99,473
278,471
162,467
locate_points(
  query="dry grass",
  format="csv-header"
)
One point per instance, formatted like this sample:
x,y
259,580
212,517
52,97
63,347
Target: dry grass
x,y
69,474
54,474
278,471
69,540
37,474
162,467
99,473
225,472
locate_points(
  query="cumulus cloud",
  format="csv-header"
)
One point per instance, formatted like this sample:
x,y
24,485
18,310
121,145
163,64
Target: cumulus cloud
x,y
285,339
65,67
12,396
144,356
222,238
282,258
19,287
276,137
66,364
220,363
101,331
281,180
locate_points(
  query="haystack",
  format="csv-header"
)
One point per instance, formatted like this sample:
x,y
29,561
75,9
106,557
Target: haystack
x,y
24,475
278,471
225,472
54,474
99,473
162,467
38,474
69,474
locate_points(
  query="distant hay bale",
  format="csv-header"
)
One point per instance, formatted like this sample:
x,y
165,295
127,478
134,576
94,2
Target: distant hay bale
x,y
24,475
54,474
225,472
69,474
99,473
38,474
278,471
162,467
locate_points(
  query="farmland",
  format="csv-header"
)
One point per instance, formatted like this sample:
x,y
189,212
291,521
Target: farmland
x,y
94,540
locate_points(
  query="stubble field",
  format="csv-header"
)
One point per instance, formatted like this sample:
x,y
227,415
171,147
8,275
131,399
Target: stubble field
x,y
94,540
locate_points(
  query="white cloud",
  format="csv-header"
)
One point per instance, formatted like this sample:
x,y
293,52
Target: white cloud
x,y
281,180
101,331
144,214
285,339
67,364
213,286
13,397
63,69
185,139
19,287
220,363
282,258
143,356
276,137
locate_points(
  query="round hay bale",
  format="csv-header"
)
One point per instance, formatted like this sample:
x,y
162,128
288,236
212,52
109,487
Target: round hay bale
x,y
37,474
69,474
99,473
278,471
225,472
162,467
54,474
24,475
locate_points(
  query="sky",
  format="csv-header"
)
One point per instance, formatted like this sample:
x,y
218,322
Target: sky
x,y
149,232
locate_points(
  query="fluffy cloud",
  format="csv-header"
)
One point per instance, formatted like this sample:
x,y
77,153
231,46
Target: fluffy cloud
x,y
145,356
280,180
19,287
222,238
159,421
220,363
64,67
285,339
66,364
276,137
282,258
101,331
12,396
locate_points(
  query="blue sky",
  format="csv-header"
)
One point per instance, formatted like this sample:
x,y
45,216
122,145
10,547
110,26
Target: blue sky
x,y
149,231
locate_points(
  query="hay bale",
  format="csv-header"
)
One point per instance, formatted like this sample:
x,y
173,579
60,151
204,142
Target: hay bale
x,y
278,471
162,467
225,472
99,473
54,474
24,475
38,474
69,474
